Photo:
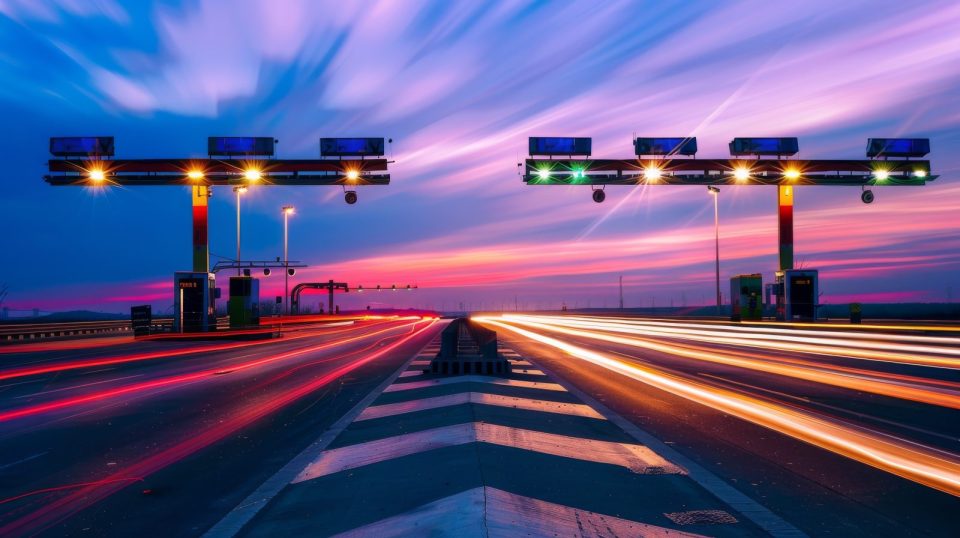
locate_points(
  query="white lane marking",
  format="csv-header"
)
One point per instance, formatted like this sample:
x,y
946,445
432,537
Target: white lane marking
x,y
411,373
236,519
473,379
24,383
72,387
448,400
486,511
24,460
460,515
637,458
420,363
509,514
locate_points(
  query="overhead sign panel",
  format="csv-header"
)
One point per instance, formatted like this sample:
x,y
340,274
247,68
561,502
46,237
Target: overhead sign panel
x,y
897,147
552,145
246,146
666,146
764,146
82,146
351,147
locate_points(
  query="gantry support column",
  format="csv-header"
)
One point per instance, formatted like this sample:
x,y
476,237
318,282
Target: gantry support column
x,y
785,225
201,250
331,298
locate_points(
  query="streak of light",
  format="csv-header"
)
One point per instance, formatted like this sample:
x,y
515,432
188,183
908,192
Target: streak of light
x,y
70,486
840,328
913,461
841,345
66,345
179,379
90,363
868,326
796,369
56,511
375,344
820,329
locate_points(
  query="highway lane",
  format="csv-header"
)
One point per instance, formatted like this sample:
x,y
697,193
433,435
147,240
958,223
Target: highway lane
x,y
783,424
172,435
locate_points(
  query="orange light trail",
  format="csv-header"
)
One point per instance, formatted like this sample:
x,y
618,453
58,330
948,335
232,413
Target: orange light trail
x,y
844,344
946,394
913,461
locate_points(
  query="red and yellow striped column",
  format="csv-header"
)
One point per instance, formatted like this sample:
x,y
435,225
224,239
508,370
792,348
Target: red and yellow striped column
x,y
785,225
201,251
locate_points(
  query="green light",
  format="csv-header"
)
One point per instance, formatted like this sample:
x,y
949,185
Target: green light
x,y
920,173
543,173
578,173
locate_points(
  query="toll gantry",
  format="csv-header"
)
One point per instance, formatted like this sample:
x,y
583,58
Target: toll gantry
x,y
753,161
237,162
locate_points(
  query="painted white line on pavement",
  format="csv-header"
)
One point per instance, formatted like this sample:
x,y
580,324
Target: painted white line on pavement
x,y
637,458
448,400
490,512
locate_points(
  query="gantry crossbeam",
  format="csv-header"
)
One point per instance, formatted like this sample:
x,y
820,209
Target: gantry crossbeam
x,y
634,171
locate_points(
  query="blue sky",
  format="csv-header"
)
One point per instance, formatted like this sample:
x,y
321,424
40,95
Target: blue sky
x,y
459,86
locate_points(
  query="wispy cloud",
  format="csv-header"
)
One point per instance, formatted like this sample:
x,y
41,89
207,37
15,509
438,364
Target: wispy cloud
x,y
460,85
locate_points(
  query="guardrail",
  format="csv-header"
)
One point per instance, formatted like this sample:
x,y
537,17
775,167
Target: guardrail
x,y
19,332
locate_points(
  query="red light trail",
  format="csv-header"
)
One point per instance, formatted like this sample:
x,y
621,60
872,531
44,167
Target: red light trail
x,y
90,363
168,381
89,493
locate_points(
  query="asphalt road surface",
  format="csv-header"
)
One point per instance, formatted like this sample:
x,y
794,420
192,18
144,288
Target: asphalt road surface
x,y
111,437
841,431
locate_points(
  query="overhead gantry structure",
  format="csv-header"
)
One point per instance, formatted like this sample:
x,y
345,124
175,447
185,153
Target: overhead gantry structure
x,y
331,287
753,161
231,161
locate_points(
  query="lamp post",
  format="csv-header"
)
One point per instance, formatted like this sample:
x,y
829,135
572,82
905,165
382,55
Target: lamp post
x,y
287,211
715,191
238,191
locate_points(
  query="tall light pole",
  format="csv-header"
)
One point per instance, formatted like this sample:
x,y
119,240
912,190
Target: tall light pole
x,y
238,191
287,211
715,191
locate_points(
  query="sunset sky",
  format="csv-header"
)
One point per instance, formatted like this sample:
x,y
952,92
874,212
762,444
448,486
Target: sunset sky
x,y
459,86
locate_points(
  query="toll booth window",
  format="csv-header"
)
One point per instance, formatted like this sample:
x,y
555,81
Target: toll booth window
x,y
802,297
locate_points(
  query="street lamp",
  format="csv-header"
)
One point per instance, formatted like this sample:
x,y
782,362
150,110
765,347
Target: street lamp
x,y
287,211
715,191
238,191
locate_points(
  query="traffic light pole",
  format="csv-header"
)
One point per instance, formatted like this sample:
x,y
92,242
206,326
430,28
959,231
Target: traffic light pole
x,y
286,266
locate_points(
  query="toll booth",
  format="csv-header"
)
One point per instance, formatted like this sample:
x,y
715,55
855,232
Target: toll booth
x,y
194,302
746,300
141,319
244,303
797,294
